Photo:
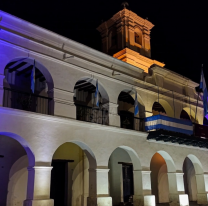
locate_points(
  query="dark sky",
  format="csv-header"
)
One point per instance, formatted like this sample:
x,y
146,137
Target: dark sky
x,y
179,38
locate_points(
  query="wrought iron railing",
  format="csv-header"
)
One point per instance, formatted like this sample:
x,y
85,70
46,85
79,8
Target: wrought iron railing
x,y
131,122
26,101
92,114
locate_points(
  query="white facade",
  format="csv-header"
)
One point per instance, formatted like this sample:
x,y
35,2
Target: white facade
x,y
30,141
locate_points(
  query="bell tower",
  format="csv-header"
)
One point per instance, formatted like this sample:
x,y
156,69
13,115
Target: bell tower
x,y
126,36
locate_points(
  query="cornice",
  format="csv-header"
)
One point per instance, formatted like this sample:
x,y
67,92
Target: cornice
x,y
55,41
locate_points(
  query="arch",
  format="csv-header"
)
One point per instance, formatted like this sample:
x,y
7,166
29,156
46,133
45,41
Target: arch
x,y
169,161
31,161
101,88
126,101
122,161
75,163
132,93
160,165
197,164
167,107
17,86
134,157
86,103
40,66
194,181
90,155
190,113
25,145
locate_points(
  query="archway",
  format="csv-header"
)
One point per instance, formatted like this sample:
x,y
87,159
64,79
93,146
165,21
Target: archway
x,y
123,182
192,167
161,164
188,114
17,182
71,182
17,86
162,107
85,101
128,120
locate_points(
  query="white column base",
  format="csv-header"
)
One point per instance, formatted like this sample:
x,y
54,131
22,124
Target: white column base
x,y
183,200
48,202
99,201
104,201
149,200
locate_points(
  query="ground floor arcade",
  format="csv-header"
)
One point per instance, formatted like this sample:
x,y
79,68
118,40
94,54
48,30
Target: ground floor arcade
x,y
63,163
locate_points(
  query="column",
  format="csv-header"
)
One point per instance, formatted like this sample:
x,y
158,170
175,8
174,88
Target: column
x,y
39,179
142,189
64,103
114,118
1,89
177,194
202,188
99,192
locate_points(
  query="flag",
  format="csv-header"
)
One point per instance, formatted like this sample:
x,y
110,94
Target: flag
x,y
32,78
97,95
205,93
136,105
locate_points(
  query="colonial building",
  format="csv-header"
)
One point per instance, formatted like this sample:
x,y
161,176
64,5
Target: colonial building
x,y
57,147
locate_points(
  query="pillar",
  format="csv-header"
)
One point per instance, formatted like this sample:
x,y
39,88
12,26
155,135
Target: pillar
x,y
39,179
64,103
202,188
1,89
99,192
114,118
177,196
142,189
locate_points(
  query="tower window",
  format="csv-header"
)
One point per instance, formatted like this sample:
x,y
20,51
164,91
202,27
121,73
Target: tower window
x,y
137,38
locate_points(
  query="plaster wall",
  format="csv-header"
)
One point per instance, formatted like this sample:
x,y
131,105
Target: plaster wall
x,y
17,186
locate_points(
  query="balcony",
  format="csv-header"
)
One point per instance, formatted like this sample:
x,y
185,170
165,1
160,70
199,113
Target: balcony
x,y
26,101
179,131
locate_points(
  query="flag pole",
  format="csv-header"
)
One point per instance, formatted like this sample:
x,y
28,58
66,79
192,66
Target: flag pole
x,y
198,96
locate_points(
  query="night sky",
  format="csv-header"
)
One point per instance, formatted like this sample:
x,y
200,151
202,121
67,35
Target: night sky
x,y
179,38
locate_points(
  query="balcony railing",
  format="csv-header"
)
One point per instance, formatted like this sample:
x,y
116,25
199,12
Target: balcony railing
x,y
131,122
92,114
168,123
26,101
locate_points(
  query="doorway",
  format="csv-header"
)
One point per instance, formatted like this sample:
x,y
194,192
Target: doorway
x,y
128,185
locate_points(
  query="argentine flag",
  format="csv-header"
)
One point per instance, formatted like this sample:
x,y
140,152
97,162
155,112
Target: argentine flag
x,y
32,78
97,95
205,93
136,105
